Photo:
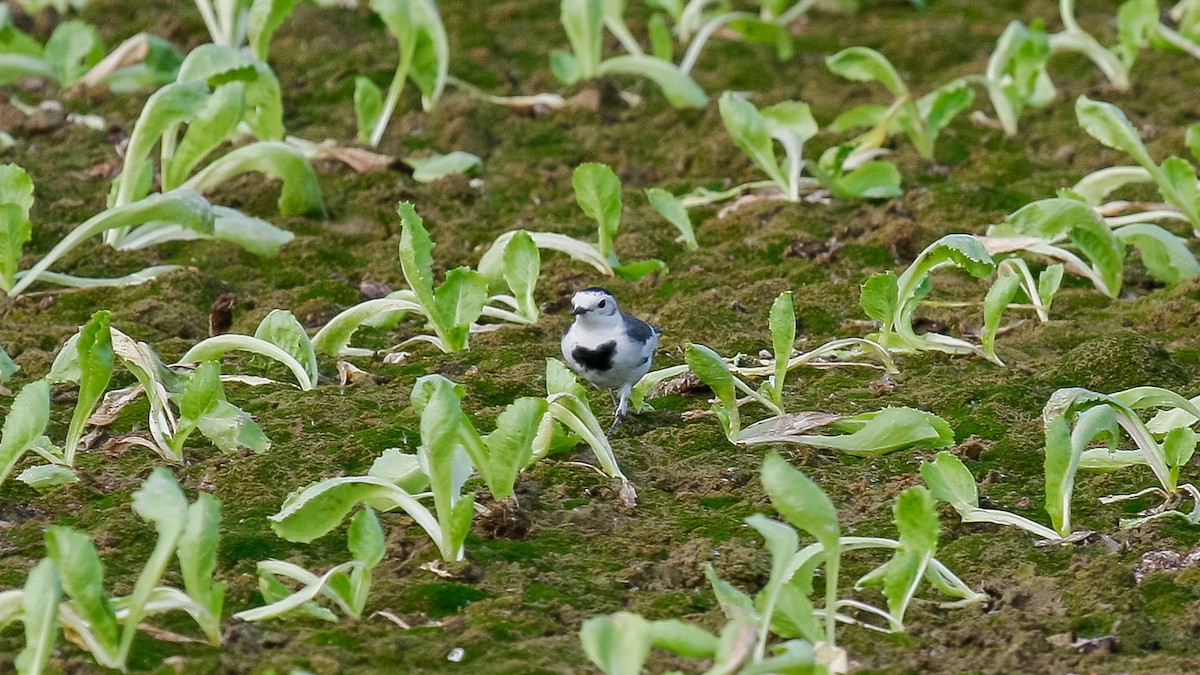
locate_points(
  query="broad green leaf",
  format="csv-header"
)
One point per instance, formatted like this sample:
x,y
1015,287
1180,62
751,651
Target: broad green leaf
x,y
1179,446
401,469
437,167
8,367
300,193
1166,256
670,207
800,501
40,616
782,322
878,296
1178,184
583,21
82,577
915,513
735,604
72,49
311,512
871,434
431,53
680,90
617,644
1192,139
211,126
1048,282
560,380
334,337
563,66
944,104
950,481
682,638
160,502
167,108
598,193
510,446
873,180
16,198
1064,447
253,234
998,297
639,269
1052,218
46,476
863,64
458,303
749,131
445,433
26,421
366,541
213,348
1108,124
960,250
264,18
794,615
281,329
229,428
522,266
713,371
96,366
200,396
197,554
218,65
866,115
368,107
662,45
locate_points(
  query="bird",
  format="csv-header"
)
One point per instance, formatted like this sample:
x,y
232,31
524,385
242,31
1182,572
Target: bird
x,y
607,347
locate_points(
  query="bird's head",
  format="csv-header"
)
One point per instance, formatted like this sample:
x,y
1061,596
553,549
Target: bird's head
x,y
594,304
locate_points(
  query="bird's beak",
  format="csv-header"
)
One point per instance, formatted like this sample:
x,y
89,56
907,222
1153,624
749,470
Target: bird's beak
x,y
578,310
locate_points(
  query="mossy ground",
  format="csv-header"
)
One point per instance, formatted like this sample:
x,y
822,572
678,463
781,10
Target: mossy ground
x,y
515,605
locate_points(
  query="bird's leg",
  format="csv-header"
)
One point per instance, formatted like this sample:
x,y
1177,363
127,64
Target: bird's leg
x,y
612,396
622,408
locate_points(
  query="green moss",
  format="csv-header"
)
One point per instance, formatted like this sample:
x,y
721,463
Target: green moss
x,y
441,598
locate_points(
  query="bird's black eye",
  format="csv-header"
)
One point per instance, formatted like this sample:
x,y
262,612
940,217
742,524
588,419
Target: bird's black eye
x,y
603,304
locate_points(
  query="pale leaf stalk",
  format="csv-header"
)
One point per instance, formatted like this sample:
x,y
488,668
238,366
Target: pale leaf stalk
x,y
394,90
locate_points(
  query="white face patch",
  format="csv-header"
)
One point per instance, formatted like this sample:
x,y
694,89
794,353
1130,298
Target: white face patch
x,y
593,303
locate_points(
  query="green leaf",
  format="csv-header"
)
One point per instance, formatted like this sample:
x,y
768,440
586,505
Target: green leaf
x,y
946,103
714,372
510,446
82,577
583,21
72,49
680,90
873,180
445,434
281,329
1192,139
40,616
748,129
782,321
366,540
598,193
213,348
1179,446
800,501
1064,448
639,269
878,296
458,303
197,554
96,365
26,421
368,107
8,367
522,266
218,65
868,434
950,481
46,476
670,207
300,194
998,297
160,502
264,18
16,198
166,109
1048,282
662,45
1052,218
863,64
416,257
1108,124
1167,257
211,126
682,638
437,167
617,644
311,512
915,513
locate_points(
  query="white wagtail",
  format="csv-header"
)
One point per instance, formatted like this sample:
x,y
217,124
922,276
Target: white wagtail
x,y
607,347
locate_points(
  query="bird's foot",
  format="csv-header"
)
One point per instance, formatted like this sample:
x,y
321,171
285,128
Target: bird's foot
x,y
616,423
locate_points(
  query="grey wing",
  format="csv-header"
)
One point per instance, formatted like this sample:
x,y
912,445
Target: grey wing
x,y
638,331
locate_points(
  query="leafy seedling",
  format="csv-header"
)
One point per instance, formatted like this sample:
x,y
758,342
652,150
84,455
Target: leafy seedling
x,y
347,585
921,119
424,59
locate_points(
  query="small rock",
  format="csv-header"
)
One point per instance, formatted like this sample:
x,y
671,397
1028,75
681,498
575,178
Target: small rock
x,y
456,655
48,116
1065,154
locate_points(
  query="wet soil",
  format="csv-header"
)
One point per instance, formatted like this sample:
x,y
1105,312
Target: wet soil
x,y
570,550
